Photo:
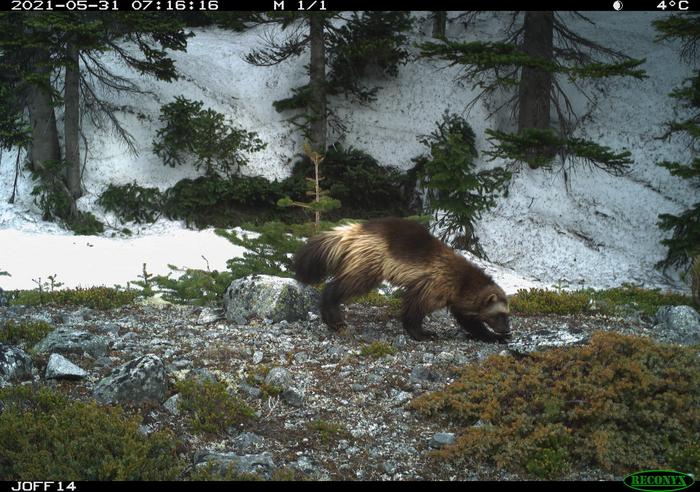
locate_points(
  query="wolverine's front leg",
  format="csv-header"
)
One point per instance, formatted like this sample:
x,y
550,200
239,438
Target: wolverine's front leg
x,y
412,314
330,305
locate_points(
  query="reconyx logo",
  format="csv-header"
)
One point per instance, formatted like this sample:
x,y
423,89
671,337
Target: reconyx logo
x,y
658,480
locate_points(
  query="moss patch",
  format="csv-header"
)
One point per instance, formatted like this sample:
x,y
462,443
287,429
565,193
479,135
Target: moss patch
x,y
44,435
210,408
377,349
619,404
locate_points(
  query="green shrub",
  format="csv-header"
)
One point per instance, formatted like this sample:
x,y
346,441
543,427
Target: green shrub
x,y
270,253
85,224
132,203
194,286
210,408
210,200
26,333
616,301
327,431
457,194
203,137
49,192
364,187
93,297
45,436
377,349
620,404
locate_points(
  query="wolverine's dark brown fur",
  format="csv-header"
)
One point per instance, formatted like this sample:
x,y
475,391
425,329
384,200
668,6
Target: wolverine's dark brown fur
x,y
404,253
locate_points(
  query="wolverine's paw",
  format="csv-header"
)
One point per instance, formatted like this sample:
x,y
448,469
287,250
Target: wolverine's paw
x,y
422,336
337,326
504,337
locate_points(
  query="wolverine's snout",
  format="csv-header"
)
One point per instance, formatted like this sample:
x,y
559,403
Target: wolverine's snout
x,y
500,324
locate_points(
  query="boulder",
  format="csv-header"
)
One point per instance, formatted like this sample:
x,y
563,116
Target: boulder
x,y
138,381
677,324
68,341
15,364
268,297
61,368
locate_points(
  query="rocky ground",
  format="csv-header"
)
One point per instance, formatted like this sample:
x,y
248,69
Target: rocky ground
x,y
324,377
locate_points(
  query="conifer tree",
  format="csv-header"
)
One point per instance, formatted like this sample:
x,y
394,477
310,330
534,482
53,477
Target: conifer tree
x,y
684,243
340,56
35,48
530,63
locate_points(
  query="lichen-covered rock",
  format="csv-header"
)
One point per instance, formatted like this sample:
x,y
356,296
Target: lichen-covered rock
x,y
249,464
66,340
265,296
59,367
543,339
138,381
15,364
677,324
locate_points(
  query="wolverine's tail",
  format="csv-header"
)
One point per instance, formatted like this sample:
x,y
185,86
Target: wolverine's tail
x,y
319,257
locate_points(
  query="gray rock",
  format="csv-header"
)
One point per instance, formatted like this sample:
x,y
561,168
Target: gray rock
x,y
246,441
76,317
268,297
258,464
15,364
442,439
172,404
251,391
542,339
68,341
304,464
424,373
389,467
61,368
182,364
293,398
257,357
279,377
677,324
202,375
139,380
208,315
111,329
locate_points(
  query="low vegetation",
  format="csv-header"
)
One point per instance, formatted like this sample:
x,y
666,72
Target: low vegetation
x,y
617,301
24,333
93,297
210,408
377,349
619,404
45,435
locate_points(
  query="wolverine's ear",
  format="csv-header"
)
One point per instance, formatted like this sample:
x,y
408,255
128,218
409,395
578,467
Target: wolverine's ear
x,y
493,298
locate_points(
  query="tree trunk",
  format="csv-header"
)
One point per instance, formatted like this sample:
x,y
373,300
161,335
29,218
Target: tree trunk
x,y
536,83
45,145
317,84
72,121
439,23
42,118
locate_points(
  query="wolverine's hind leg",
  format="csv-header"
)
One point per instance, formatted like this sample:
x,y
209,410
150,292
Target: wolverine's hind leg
x,y
339,290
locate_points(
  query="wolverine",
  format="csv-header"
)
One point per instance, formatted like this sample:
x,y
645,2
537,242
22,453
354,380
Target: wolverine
x,y
360,256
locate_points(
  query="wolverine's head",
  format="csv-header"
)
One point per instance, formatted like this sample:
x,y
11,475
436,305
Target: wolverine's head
x,y
493,310
487,304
